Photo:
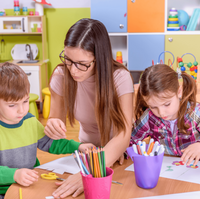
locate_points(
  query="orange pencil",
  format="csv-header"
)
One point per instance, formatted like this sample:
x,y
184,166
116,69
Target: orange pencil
x,y
96,163
150,148
98,167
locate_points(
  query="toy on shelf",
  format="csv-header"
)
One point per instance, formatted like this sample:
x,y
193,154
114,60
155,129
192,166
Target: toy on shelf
x,y
183,18
39,6
16,7
193,20
160,61
25,11
2,12
192,67
119,57
173,22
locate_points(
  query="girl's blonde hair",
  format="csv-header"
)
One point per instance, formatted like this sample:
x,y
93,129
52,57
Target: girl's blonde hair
x,y
161,78
14,84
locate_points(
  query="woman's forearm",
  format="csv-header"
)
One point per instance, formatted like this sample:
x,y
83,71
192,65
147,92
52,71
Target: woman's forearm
x,y
118,144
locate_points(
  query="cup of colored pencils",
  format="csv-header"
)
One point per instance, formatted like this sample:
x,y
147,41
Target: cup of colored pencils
x,y
96,177
147,160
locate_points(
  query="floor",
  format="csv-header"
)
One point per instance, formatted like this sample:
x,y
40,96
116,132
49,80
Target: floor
x,y
72,133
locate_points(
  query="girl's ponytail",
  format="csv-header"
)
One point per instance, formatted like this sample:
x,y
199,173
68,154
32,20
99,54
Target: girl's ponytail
x,y
188,95
140,105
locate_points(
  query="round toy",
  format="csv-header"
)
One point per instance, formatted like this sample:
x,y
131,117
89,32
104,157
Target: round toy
x,y
183,17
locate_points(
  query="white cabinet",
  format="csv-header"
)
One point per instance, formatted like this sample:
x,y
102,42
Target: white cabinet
x,y
13,24
34,78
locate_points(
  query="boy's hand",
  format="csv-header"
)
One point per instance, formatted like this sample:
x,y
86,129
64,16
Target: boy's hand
x,y
25,177
55,129
190,153
84,147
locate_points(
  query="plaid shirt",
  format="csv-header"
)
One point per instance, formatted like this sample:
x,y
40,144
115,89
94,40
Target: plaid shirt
x,y
150,125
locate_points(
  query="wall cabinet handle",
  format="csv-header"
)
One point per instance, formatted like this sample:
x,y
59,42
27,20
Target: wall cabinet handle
x,y
133,1
121,26
170,39
28,74
23,25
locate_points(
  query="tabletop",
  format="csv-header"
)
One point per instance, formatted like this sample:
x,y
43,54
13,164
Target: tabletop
x,y
129,189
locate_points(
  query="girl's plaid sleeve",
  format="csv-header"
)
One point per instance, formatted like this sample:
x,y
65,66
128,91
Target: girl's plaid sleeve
x,y
141,128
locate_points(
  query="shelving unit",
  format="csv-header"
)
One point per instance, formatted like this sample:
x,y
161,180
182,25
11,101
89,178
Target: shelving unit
x,y
25,33
144,41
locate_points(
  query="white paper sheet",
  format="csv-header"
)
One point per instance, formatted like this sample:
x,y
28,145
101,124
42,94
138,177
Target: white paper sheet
x,y
66,164
181,172
193,195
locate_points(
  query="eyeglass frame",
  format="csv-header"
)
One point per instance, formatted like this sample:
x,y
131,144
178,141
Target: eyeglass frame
x,y
72,62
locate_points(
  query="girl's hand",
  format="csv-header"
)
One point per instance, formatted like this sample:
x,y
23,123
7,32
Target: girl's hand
x,y
83,147
72,185
55,129
190,153
25,177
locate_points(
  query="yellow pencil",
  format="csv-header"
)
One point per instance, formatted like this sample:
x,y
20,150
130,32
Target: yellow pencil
x,y
20,193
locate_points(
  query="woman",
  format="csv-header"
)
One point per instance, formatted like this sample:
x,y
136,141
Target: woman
x,y
94,89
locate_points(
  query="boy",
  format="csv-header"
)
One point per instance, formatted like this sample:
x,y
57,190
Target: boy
x,y
21,133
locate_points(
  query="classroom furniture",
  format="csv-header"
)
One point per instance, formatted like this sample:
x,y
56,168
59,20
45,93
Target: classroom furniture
x,y
129,189
32,105
47,102
29,30
140,30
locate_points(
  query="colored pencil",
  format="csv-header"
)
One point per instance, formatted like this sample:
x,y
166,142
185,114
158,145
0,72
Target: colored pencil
x,y
150,148
20,193
104,163
100,164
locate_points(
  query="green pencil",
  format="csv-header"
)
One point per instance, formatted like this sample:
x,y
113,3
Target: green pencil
x,y
104,163
100,165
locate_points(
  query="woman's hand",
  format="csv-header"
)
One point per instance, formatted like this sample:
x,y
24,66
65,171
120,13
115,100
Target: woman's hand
x,y
25,177
72,185
84,147
55,129
192,152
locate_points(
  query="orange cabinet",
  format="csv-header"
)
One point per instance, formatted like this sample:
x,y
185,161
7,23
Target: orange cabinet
x,y
146,15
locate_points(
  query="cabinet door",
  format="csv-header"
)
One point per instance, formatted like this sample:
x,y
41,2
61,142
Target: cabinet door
x,y
181,44
34,79
146,15
142,49
112,13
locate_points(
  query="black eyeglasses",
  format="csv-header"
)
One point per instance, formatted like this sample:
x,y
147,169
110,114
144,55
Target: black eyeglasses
x,y
69,62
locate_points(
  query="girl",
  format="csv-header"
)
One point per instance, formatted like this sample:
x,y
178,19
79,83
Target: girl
x,y
168,112
91,87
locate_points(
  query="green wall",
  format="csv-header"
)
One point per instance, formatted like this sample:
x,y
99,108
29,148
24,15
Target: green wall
x,y
59,21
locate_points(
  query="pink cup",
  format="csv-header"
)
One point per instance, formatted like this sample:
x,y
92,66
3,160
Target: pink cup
x,y
97,188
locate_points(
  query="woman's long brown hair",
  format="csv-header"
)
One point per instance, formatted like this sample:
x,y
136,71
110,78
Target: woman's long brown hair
x,y
91,35
161,78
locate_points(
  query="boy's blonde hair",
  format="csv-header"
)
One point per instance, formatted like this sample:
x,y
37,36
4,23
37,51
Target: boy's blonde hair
x,y
14,84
